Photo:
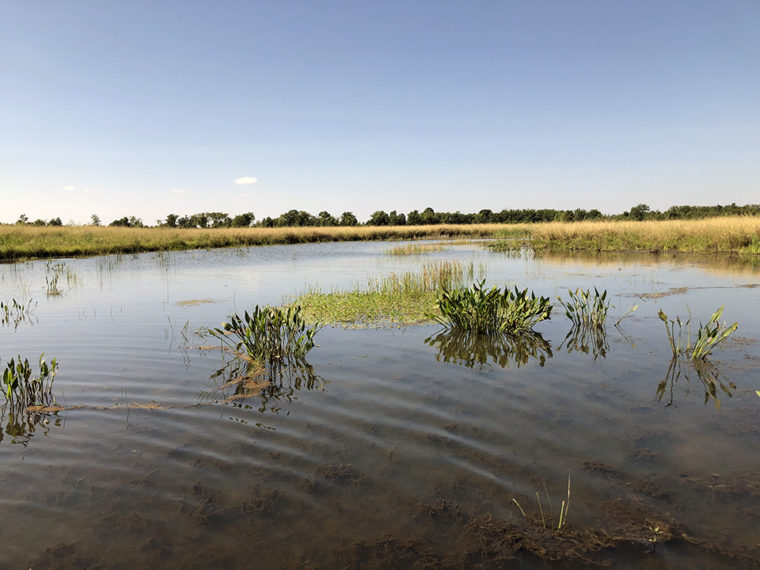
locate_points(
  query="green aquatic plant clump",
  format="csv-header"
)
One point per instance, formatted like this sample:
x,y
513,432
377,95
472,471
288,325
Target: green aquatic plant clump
x,y
270,334
709,335
491,311
21,389
585,309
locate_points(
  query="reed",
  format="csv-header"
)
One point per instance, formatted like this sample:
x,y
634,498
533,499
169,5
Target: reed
x,y
547,523
415,249
491,311
16,312
709,335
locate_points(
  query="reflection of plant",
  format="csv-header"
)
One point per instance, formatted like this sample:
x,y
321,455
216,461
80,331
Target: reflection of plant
x,y
584,339
491,311
708,337
585,309
245,378
268,334
474,350
21,389
708,375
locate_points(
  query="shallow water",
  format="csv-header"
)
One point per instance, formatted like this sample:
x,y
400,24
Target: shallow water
x,y
399,449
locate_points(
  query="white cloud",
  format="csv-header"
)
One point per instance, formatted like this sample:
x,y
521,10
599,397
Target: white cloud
x,y
69,188
245,194
177,190
243,180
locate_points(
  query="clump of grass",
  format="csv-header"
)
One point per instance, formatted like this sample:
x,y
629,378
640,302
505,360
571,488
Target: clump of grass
x,y
709,335
395,299
585,309
547,522
491,311
22,390
415,248
270,335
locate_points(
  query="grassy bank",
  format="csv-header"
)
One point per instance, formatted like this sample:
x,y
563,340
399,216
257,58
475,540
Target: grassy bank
x,y
715,235
20,242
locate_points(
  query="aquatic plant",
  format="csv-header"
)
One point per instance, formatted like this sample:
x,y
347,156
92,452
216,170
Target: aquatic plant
x,y
268,334
21,389
414,248
564,509
16,312
491,311
584,309
708,336
708,375
475,350
587,339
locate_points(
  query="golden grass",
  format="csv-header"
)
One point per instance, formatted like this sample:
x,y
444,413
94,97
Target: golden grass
x,y
19,242
737,234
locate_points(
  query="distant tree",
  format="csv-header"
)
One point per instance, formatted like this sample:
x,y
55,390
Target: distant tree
x,y
171,220
22,219
135,222
395,219
95,219
39,222
639,212
429,216
348,219
484,217
124,222
55,222
325,219
199,220
414,218
267,222
378,218
244,220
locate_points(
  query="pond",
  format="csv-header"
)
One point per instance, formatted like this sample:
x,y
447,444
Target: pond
x,y
395,447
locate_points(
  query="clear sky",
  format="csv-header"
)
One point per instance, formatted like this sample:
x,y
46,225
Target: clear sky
x,y
145,108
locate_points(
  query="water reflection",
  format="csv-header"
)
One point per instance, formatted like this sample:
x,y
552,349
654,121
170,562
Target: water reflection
x,y
243,379
479,351
587,339
19,425
707,374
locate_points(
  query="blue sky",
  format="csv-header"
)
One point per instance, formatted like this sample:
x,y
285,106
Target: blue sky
x,y
148,108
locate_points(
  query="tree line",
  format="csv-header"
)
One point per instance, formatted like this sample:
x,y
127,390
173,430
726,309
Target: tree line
x,y
428,216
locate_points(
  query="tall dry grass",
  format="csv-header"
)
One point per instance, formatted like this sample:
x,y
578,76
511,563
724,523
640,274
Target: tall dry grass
x,y
18,242
712,235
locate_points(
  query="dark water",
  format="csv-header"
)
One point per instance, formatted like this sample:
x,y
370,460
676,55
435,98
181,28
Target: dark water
x,y
400,447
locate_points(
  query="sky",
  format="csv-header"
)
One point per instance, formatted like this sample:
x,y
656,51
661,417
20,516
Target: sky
x,y
146,108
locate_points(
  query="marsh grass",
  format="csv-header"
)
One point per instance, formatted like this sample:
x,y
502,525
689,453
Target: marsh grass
x,y
415,249
395,299
708,336
22,242
22,390
490,311
547,517
736,234
585,309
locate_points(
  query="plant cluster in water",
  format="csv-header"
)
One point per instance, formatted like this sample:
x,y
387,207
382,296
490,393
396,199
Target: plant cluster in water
x,y
491,311
708,336
16,312
21,389
268,334
585,309
564,508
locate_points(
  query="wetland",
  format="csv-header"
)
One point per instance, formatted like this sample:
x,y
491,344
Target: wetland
x,y
393,441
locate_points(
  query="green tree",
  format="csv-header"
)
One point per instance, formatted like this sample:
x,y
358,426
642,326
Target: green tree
x,y
244,220
95,220
22,219
348,219
378,218
55,222
639,212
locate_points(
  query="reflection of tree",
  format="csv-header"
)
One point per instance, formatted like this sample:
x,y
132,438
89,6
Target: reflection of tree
x,y
707,374
587,338
474,350
244,379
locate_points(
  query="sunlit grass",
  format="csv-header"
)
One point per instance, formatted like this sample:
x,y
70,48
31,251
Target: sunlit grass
x,y
18,242
396,299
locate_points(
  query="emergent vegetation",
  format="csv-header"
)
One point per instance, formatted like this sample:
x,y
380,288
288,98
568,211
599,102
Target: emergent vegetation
x,y
708,336
22,390
585,310
269,335
491,311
